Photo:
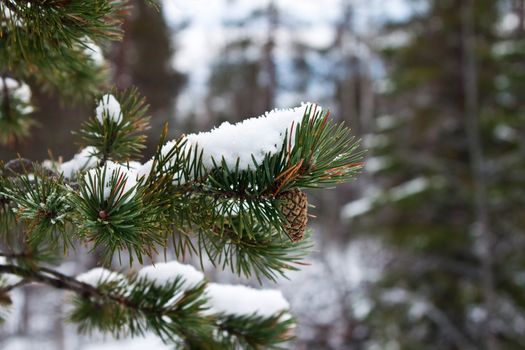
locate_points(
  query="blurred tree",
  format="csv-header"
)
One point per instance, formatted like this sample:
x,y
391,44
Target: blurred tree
x,y
448,160
144,58
352,73
243,80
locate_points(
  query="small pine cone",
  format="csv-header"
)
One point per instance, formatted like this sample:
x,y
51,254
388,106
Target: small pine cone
x,y
295,209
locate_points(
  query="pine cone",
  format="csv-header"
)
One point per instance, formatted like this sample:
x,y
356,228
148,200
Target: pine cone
x,y
295,209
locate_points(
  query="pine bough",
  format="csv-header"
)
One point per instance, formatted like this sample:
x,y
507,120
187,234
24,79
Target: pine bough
x,y
231,196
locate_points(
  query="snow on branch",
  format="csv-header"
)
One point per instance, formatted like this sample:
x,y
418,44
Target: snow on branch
x,y
99,275
244,301
255,137
19,91
109,107
167,297
85,159
222,299
115,178
93,51
165,273
242,177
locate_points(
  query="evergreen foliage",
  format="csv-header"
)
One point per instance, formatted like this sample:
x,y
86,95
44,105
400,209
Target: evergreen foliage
x,y
104,199
435,294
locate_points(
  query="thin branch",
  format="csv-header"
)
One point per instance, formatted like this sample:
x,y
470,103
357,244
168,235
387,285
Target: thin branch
x,y
58,280
13,286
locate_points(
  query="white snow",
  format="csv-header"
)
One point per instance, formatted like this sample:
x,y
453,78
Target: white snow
x,y
166,148
255,137
165,273
418,309
386,122
506,133
149,341
242,300
383,85
99,275
81,161
338,274
7,14
476,313
17,90
395,295
112,169
376,164
9,17
320,38
358,207
145,169
109,107
375,196
409,188
375,140
20,91
503,48
93,51
133,165
419,305
9,279
394,39
508,23
19,342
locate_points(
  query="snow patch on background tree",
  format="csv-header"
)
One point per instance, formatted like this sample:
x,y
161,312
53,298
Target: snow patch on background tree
x,y
94,52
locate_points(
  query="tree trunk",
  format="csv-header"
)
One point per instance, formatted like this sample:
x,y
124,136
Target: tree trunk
x,y
267,61
480,203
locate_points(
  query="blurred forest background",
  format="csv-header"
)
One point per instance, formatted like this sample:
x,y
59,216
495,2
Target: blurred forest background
x,y
425,249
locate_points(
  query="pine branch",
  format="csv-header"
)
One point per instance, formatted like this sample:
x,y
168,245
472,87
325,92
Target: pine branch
x,y
174,314
45,41
235,214
118,140
265,255
241,208
58,280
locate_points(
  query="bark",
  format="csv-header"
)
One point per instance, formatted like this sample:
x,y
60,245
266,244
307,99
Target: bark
x,y
267,61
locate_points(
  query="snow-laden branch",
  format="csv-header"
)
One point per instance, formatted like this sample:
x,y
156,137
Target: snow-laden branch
x,y
162,297
250,140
